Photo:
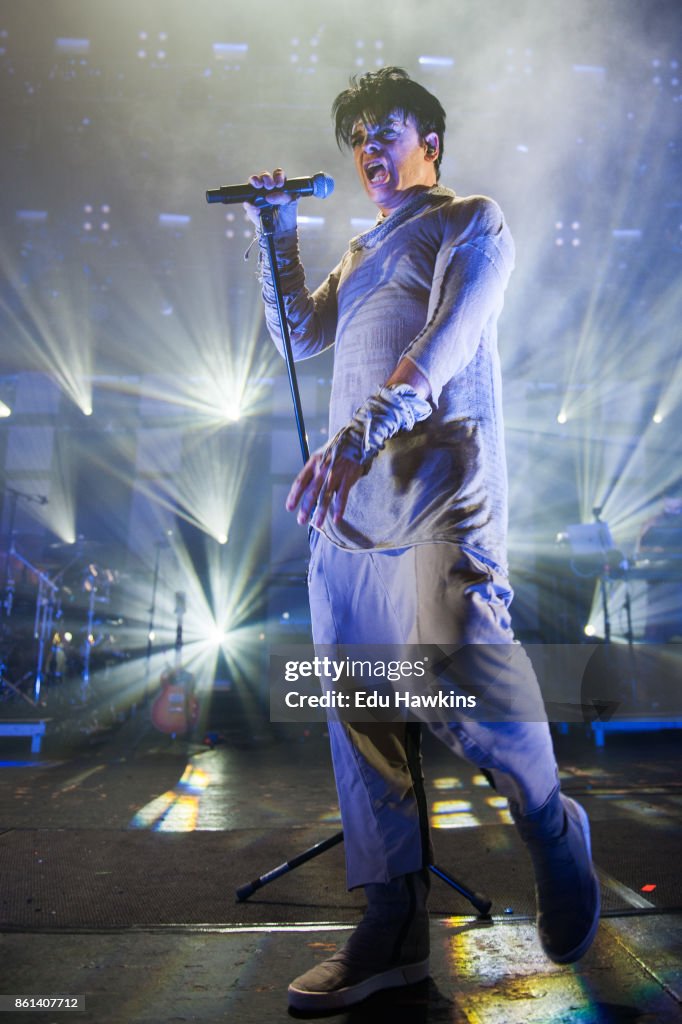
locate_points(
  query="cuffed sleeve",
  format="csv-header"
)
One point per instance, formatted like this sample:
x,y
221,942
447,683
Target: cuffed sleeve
x,y
311,316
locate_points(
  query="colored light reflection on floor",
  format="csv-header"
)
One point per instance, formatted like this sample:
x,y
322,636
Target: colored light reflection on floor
x,y
482,809
453,814
451,806
447,782
495,988
331,817
496,801
502,808
654,815
176,810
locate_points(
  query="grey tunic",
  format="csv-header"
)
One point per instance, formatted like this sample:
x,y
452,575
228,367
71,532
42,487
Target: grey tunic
x,y
426,282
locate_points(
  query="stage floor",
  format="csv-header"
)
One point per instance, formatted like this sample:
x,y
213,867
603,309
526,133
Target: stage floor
x,y
121,851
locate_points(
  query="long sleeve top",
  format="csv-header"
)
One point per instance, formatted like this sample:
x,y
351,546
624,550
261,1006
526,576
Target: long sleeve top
x,y
426,282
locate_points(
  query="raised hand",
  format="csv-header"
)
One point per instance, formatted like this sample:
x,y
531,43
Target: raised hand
x,y
271,183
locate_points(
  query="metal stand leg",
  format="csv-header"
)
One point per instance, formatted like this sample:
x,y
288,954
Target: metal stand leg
x,y
477,900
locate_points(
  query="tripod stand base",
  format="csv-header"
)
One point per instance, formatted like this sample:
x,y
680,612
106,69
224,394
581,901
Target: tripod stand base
x,y
478,900
244,891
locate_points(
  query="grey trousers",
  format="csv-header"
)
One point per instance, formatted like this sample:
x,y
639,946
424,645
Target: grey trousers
x,y
439,594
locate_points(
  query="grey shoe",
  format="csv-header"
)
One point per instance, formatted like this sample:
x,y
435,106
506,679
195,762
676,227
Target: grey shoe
x,y
566,886
389,948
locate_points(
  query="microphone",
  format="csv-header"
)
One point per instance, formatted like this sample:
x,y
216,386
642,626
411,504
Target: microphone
x,y
320,186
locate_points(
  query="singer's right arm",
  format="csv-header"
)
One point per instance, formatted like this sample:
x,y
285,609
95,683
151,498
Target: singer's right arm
x,y
311,316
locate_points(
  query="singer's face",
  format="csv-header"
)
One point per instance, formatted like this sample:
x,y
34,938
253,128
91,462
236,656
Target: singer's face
x,y
391,158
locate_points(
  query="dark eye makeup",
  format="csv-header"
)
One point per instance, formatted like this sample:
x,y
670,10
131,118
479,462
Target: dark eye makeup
x,y
386,132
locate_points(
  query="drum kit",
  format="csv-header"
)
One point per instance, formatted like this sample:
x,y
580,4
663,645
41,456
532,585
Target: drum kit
x,y
52,617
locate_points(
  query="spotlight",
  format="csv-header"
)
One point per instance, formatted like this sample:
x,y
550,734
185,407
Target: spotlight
x,y
627,233
74,46
32,216
222,538
589,630
228,51
657,418
231,411
5,410
175,221
86,410
561,418
436,62
216,635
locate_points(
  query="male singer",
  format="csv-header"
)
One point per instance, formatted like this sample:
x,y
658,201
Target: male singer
x,y
408,504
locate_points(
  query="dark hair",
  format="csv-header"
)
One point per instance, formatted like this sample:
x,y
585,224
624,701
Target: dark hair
x,y
374,95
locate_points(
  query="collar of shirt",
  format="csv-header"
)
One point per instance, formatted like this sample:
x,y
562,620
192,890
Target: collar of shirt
x,y
385,225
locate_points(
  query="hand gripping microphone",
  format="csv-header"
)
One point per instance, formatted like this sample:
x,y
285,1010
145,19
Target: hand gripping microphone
x,y
320,186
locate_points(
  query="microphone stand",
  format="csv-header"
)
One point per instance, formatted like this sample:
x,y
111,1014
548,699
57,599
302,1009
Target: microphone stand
x,y
478,900
267,220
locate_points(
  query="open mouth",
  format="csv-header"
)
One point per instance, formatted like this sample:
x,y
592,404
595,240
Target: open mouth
x,y
376,172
